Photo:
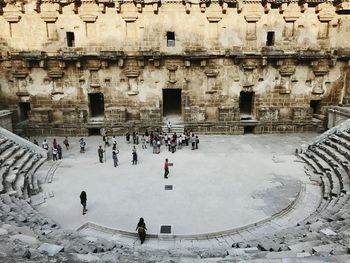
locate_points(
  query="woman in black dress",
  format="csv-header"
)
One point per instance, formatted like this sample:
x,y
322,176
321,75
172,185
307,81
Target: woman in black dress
x,y
141,229
83,200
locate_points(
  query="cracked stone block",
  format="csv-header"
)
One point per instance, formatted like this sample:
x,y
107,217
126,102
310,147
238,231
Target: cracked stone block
x,y
328,232
25,239
3,232
316,226
50,249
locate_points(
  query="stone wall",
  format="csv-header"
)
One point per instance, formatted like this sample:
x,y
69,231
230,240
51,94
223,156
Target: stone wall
x,y
6,120
292,57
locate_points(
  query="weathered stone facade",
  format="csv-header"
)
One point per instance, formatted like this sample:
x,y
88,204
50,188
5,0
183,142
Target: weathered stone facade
x,y
68,67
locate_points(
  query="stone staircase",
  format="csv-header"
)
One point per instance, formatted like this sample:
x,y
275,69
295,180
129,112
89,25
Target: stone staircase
x,y
178,128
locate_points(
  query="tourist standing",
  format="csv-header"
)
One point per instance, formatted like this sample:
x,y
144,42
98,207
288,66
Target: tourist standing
x,y
45,145
82,144
134,156
59,151
83,200
115,157
143,142
197,142
141,230
193,142
100,152
54,153
169,126
66,143
36,142
166,168
128,137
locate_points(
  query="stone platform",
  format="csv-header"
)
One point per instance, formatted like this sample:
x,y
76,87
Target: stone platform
x,y
228,183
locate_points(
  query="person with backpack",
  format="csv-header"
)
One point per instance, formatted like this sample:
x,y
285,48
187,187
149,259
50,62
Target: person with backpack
x,y
141,230
83,200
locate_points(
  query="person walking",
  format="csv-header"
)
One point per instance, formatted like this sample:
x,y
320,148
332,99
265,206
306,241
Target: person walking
x,y
100,152
128,137
166,168
115,157
141,230
134,156
83,200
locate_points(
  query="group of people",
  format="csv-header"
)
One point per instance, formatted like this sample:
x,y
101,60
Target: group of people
x,y
155,139
56,149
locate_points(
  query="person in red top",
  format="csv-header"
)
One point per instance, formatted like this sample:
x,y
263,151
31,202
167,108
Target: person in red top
x,y
166,169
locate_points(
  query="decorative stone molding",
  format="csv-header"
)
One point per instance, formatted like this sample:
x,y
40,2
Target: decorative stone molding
x,y
129,19
252,18
172,71
88,18
211,72
214,19
131,73
55,73
19,74
49,17
12,18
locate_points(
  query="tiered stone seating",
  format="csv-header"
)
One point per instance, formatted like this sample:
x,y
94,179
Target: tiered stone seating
x,y
17,166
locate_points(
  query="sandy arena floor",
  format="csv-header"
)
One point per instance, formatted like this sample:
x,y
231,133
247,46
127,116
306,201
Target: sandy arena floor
x,y
229,182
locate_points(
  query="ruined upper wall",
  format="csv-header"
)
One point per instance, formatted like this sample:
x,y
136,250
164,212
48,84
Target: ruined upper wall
x,y
142,25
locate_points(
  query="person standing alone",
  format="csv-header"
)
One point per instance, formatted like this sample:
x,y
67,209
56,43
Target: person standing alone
x,y
141,230
166,168
83,200
100,154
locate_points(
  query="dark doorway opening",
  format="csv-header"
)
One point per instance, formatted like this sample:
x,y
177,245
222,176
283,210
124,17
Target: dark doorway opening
x,y
70,39
246,102
96,104
94,131
270,40
248,129
170,39
171,101
316,106
24,108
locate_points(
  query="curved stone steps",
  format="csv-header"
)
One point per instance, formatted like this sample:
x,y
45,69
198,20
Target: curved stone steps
x,y
5,146
320,160
339,148
340,140
32,176
310,162
11,174
345,135
335,154
8,153
22,173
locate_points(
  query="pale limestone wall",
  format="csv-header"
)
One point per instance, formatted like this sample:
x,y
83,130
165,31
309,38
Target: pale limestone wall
x,y
317,27
220,50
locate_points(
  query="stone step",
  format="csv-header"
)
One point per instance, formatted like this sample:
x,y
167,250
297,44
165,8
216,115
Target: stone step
x,y
8,153
310,162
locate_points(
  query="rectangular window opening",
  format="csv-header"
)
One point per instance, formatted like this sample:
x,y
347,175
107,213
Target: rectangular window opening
x,y
170,38
270,40
70,39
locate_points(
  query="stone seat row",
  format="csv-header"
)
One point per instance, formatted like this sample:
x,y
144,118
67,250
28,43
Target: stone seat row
x,y
325,231
17,167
